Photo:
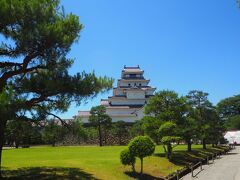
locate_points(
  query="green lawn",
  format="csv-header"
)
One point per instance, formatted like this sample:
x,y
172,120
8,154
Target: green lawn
x,y
89,162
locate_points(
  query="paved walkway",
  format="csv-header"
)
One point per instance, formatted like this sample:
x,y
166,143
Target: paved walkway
x,y
225,168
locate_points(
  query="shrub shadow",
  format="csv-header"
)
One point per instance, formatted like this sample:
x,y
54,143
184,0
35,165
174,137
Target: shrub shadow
x,y
184,158
231,153
47,173
138,176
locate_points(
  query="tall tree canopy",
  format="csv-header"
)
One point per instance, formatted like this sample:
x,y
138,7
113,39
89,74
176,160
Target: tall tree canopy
x,y
229,111
36,37
229,106
166,114
202,110
167,106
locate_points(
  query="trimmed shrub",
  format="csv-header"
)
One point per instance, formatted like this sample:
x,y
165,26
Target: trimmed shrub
x,y
141,146
127,158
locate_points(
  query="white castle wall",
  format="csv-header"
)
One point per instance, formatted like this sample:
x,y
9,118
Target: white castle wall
x,y
127,101
150,92
136,95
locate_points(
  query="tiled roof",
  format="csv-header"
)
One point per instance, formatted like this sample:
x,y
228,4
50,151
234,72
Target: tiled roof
x,y
83,113
104,102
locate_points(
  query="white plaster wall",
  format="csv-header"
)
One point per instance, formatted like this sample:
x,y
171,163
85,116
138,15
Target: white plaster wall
x,y
118,92
135,95
125,83
126,119
127,101
119,111
149,92
140,113
115,118
114,115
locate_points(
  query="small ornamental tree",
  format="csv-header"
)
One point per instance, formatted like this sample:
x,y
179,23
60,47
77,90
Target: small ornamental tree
x,y
127,158
141,146
167,132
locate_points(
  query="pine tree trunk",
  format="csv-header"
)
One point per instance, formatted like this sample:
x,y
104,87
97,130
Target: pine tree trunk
x,y
141,165
204,143
105,136
2,128
169,149
133,167
189,143
100,135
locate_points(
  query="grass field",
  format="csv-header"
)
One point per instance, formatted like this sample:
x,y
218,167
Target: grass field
x,y
90,162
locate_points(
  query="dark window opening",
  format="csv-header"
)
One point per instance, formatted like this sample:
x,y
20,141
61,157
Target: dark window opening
x,y
132,75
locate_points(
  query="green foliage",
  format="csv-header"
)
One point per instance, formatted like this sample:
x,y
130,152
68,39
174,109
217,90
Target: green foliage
x,y
127,158
141,146
202,113
150,125
198,99
167,106
22,133
165,111
101,120
137,129
52,133
233,123
229,112
170,139
41,35
99,116
120,131
37,36
5,97
167,128
168,134
36,25
229,106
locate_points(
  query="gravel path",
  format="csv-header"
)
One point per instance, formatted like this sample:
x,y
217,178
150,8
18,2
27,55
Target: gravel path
x,y
225,168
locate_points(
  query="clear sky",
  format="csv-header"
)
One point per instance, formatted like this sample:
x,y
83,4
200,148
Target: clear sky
x,y
181,45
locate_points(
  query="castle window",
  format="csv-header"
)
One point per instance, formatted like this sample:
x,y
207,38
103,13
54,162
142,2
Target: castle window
x,y
132,75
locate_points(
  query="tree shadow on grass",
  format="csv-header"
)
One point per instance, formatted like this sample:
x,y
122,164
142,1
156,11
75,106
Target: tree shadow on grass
x,y
231,153
138,176
160,154
47,173
184,158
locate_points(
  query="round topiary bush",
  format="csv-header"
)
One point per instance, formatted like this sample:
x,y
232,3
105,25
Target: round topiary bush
x,y
127,158
141,146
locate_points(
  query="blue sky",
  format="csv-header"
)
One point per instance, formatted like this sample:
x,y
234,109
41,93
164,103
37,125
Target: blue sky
x,y
181,45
